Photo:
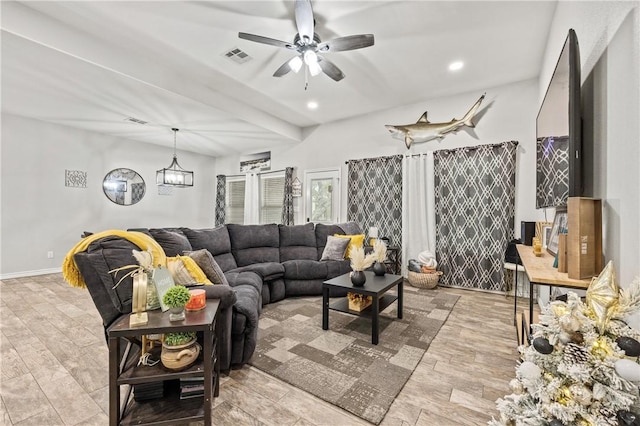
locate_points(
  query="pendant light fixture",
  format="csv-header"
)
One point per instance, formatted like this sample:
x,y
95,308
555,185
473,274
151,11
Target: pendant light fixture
x,y
174,175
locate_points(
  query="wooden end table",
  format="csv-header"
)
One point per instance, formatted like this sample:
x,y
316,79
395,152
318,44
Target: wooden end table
x,y
123,370
375,286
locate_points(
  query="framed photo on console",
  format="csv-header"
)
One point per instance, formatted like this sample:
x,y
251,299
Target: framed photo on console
x,y
560,222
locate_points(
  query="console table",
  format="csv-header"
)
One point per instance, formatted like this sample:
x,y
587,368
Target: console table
x,y
123,370
540,271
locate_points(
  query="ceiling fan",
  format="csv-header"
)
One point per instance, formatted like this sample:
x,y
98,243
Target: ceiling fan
x,y
308,45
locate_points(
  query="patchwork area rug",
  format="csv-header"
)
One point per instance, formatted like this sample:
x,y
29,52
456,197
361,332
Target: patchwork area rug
x,y
340,365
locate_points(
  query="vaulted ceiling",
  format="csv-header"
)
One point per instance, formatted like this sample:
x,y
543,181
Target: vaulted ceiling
x,y
96,64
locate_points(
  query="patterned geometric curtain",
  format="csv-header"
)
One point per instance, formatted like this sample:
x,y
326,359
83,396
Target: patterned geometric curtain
x,y
375,196
221,194
475,199
287,204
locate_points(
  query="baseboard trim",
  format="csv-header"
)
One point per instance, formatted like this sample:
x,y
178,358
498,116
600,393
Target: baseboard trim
x,y
23,274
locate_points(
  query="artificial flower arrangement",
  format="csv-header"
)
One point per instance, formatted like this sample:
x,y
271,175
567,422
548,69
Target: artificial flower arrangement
x,y
145,265
379,251
360,261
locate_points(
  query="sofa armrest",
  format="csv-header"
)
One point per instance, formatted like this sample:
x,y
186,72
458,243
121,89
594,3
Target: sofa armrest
x,y
225,293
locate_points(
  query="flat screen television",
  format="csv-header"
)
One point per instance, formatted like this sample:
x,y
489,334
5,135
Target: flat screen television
x,y
559,132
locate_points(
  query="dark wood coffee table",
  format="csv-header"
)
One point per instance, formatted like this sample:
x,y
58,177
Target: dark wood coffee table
x,y
375,286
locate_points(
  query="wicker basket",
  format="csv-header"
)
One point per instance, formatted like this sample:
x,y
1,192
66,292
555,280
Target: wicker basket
x,y
424,280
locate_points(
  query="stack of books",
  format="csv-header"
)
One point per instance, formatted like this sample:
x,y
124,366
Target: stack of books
x,y
191,387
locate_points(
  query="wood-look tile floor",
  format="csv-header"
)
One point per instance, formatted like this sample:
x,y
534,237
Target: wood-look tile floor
x,y
53,367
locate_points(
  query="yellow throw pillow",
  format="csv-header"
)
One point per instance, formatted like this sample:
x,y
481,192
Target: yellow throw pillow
x,y
185,271
356,240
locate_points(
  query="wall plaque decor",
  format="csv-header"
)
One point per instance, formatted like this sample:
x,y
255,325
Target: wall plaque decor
x,y
75,178
296,188
256,162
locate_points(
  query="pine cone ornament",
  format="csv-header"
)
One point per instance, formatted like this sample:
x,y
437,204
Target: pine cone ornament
x,y
575,354
608,417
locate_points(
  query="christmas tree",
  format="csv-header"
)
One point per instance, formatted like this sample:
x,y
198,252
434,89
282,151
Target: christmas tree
x,y
582,365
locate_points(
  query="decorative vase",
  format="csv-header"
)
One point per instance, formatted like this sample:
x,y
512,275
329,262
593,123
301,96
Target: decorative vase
x,y
176,314
358,278
179,357
379,269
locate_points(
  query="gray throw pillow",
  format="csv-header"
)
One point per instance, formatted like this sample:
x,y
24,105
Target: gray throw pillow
x,y
335,248
209,266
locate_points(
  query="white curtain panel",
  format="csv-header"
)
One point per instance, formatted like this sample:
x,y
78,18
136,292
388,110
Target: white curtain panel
x,y
418,207
252,199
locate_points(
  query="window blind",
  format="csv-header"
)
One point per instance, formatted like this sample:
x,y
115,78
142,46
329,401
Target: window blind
x,y
234,203
271,199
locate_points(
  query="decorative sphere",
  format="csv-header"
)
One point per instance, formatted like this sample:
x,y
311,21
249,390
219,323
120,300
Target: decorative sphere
x,y
629,345
542,345
627,418
628,370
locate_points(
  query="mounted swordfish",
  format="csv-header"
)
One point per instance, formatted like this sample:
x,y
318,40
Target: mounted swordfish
x,y
423,130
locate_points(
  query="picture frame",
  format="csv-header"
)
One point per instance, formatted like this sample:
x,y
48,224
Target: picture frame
x,y
560,222
546,236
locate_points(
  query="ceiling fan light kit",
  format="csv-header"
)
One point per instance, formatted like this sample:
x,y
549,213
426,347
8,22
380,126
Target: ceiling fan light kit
x,y
307,45
174,175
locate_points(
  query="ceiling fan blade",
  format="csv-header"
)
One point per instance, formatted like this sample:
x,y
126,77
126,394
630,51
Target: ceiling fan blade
x,y
330,69
351,42
284,69
304,19
266,40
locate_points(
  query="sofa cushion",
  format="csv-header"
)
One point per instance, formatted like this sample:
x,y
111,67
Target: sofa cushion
x,y
335,249
173,242
254,243
350,228
268,271
185,271
354,240
209,266
304,270
216,241
101,257
322,232
337,268
297,242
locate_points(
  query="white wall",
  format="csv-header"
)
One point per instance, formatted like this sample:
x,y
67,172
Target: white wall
x,y
40,214
609,38
508,113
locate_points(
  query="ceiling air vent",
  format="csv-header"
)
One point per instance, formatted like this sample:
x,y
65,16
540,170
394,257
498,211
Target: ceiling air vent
x,y
135,120
237,55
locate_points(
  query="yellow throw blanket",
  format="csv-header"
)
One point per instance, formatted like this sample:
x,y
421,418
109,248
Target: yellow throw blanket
x,y
70,270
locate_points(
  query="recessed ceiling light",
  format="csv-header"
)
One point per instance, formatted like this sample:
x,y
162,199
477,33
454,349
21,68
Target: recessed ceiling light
x,y
455,66
312,105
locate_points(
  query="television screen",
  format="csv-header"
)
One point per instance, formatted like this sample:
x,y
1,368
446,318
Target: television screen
x,y
558,132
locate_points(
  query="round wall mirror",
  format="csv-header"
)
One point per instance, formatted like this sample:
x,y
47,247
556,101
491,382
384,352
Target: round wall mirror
x,y
123,186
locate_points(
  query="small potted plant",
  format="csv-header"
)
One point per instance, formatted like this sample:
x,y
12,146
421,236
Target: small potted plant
x,y
179,350
359,262
175,298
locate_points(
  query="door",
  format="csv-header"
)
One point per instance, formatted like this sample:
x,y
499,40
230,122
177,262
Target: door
x,y
322,195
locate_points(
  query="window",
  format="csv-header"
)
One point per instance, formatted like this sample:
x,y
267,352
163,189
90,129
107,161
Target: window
x,y
322,188
271,198
234,201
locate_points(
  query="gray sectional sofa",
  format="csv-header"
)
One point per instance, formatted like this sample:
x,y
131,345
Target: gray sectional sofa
x,y
262,264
